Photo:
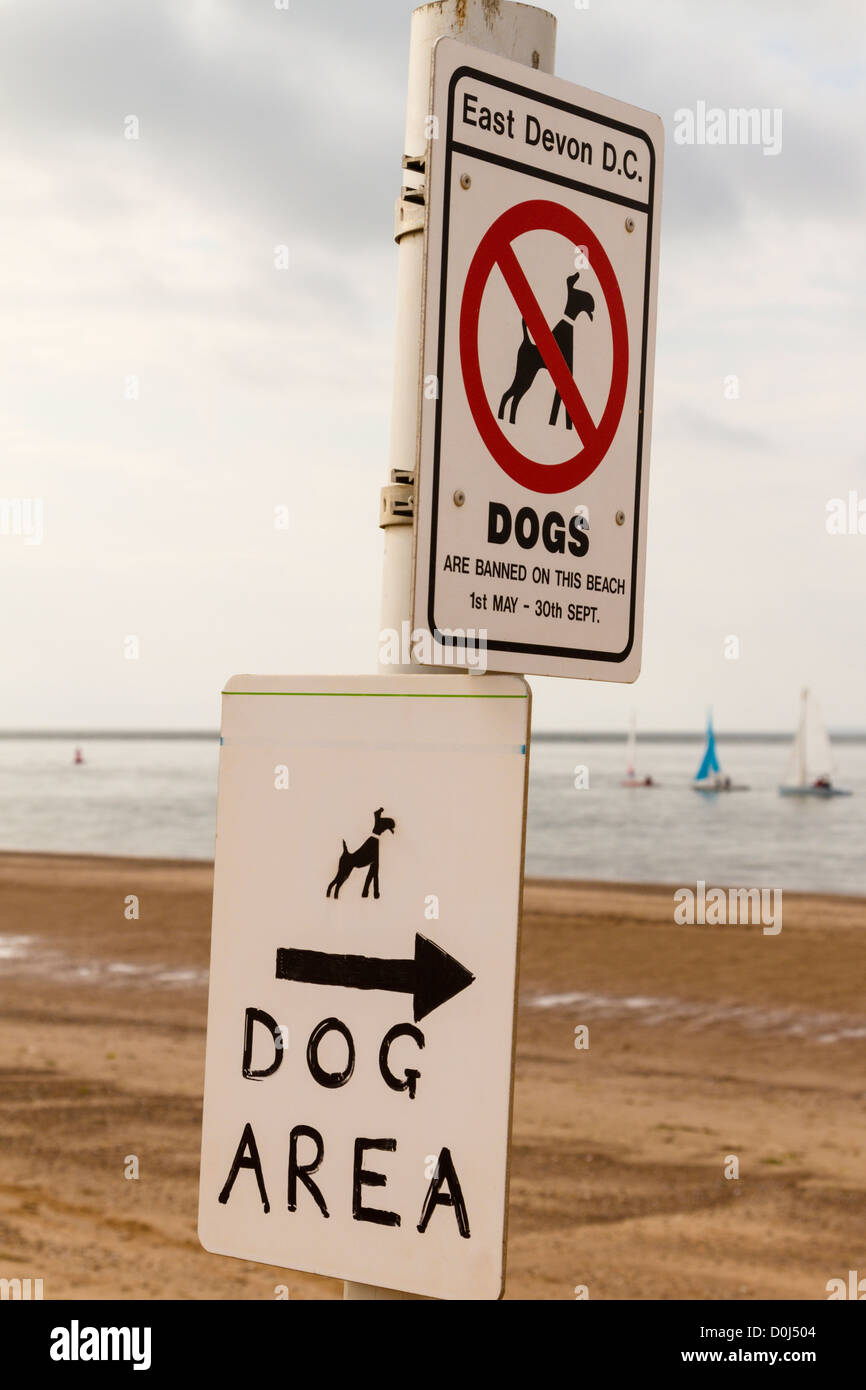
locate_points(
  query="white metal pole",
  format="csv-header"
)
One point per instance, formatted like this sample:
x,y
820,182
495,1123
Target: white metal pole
x,y
526,34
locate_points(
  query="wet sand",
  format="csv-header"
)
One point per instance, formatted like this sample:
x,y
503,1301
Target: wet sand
x,y
706,1044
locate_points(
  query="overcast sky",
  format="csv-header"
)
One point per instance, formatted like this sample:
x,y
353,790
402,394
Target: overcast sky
x,y
154,259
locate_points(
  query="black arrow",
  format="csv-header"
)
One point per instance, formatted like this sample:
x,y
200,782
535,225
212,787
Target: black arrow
x,y
431,978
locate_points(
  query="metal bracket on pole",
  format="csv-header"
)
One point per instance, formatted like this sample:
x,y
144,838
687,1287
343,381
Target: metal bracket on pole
x,y
409,212
397,507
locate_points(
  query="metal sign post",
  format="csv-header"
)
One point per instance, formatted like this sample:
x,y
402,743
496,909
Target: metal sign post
x,y
370,830
526,35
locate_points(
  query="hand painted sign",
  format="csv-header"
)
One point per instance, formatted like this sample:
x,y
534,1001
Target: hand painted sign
x,y
360,1027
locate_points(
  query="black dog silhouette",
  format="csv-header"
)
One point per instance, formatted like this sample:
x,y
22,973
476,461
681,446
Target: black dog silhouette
x,y
367,856
530,360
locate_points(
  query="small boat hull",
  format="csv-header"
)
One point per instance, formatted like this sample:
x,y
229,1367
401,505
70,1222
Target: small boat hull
x,y
710,790
638,782
821,792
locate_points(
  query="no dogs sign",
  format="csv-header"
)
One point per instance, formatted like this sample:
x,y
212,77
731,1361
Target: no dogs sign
x,y
539,330
357,1099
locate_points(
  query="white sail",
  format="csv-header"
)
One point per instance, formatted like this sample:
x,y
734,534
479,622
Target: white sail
x,y
631,750
819,757
795,776
811,756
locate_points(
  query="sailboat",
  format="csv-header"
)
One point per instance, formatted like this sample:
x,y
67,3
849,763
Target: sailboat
x,y
709,776
810,771
631,778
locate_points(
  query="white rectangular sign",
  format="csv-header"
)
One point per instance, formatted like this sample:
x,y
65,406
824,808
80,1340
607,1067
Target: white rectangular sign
x,y
358,1078
543,203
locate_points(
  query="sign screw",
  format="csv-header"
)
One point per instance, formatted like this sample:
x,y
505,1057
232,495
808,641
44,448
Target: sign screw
x,y
459,497
629,224
620,518
465,181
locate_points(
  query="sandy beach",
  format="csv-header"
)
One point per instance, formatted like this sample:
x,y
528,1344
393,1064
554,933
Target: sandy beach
x,y
705,1044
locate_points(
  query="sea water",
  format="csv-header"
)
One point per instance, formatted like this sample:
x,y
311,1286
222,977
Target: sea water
x,y
150,797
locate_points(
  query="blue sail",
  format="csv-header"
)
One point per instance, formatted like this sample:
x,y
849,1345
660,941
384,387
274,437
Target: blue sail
x,y
710,763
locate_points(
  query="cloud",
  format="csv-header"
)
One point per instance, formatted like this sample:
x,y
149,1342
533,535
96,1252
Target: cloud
x,y
239,106
154,259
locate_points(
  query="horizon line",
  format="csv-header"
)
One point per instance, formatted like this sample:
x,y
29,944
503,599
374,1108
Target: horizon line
x,y
541,735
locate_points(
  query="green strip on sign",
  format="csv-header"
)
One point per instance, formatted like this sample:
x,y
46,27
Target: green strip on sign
x,y
373,695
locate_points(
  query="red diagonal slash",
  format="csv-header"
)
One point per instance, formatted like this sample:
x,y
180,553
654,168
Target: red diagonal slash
x,y
495,248
546,343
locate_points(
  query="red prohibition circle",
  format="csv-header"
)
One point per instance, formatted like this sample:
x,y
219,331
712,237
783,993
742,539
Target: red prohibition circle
x,y
495,248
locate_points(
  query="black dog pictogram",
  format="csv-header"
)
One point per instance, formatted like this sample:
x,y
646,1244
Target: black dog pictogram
x,y
367,856
529,358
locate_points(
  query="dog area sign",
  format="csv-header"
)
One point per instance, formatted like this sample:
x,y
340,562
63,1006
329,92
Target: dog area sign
x,y
357,1099
542,231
